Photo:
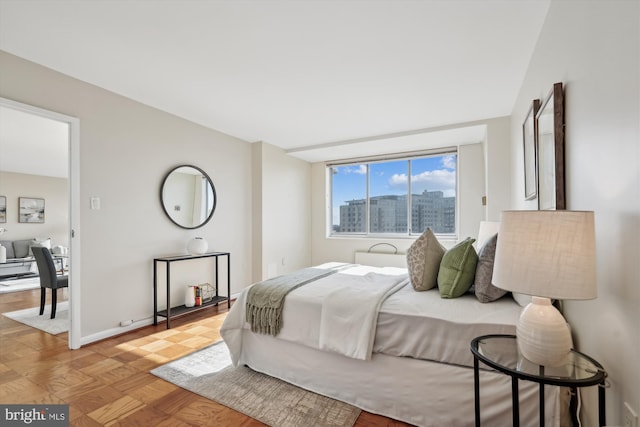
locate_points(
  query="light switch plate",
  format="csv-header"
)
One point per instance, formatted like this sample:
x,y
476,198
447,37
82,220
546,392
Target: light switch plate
x,y
95,203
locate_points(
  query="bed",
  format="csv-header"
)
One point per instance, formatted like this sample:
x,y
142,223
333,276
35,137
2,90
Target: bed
x,y
408,359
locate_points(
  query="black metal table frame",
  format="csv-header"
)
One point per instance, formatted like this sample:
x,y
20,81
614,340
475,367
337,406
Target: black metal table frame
x,y
598,378
180,311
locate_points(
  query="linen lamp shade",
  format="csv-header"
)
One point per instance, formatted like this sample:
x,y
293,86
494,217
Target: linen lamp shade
x,y
549,254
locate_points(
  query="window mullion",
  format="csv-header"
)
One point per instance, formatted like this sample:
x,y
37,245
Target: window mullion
x,y
330,214
409,216
367,204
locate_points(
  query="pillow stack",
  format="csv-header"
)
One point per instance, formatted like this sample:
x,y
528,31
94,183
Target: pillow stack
x,y
453,271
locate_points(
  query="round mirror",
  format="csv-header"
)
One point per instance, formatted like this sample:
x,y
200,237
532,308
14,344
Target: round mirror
x,y
188,196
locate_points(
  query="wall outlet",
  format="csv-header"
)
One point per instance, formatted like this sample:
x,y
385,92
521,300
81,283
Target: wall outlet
x,y
629,416
126,322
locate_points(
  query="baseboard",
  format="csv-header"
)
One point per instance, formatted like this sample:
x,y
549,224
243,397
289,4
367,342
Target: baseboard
x,y
109,333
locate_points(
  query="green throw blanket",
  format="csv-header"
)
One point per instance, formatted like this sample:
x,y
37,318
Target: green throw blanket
x,y
265,299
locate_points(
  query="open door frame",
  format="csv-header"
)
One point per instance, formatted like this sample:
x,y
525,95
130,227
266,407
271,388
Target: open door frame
x,y
74,211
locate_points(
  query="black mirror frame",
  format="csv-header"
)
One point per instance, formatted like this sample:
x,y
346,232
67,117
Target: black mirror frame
x,y
213,188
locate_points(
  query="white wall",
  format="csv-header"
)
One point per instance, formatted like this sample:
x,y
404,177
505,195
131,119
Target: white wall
x,y
497,156
471,187
594,48
54,191
478,177
126,150
285,212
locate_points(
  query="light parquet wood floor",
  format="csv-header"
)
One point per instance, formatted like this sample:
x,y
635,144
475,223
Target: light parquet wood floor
x,y
108,382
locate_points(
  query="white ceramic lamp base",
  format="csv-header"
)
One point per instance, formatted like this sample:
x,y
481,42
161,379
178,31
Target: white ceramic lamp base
x,y
543,335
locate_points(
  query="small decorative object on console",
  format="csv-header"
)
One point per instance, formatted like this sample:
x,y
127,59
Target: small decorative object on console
x,y
190,296
197,246
198,296
207,291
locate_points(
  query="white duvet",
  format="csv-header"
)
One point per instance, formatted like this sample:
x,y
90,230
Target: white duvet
x,y
361,306
423,325
337,313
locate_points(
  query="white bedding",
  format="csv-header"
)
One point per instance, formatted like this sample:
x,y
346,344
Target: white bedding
x,y
335,313
424,326
419,392
350,309
412,389
364,309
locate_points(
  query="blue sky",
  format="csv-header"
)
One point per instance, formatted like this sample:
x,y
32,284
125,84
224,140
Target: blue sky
x,y
435,173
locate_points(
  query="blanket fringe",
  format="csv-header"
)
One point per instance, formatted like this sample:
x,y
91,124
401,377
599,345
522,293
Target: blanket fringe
x,y
264,320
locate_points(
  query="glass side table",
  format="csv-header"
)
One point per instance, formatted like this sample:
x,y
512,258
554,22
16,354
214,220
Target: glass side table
x,y
501,353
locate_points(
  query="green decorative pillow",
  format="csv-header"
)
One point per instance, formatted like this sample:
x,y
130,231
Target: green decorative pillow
x,y
457,269
423,261
484,289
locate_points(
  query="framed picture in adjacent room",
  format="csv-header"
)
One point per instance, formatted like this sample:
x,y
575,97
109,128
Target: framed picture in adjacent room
x,y
530,158
31,210
550,142
3,209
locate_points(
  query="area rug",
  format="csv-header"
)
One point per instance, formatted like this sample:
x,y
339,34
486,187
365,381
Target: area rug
x,y
29,316
208,372
15,285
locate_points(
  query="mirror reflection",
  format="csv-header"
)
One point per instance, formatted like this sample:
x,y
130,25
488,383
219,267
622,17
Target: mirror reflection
x,y
188,196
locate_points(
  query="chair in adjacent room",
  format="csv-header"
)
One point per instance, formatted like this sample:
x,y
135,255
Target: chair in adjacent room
x,y
48,278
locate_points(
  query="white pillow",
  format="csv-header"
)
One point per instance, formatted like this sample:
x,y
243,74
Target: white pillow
x,y
487,230
39,241
522,299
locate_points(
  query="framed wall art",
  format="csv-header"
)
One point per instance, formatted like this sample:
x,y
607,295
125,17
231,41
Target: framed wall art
x,y
31,210
529,147
3,209
550,144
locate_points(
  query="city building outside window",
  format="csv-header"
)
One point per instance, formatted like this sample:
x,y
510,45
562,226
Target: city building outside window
x,y
394,197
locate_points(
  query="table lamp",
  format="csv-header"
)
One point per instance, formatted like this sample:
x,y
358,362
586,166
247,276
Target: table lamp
x,y
546,254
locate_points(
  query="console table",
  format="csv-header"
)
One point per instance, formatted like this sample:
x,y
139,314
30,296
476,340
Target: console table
x,y
181,310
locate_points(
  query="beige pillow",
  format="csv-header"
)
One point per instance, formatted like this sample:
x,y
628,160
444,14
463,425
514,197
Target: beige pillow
x,y
423,261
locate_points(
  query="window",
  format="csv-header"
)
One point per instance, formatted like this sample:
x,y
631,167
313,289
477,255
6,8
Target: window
x,y
394,196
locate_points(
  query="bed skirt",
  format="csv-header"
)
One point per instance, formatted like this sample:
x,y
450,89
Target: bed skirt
x,y
419,392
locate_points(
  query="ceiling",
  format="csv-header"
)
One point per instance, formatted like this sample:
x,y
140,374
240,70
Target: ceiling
x,y
33,144
311,77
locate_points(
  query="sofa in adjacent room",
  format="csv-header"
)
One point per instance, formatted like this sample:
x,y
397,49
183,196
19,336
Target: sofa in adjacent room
x,y
20,260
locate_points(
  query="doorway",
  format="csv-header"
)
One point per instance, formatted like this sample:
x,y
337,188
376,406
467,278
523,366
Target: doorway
x,y
72,154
